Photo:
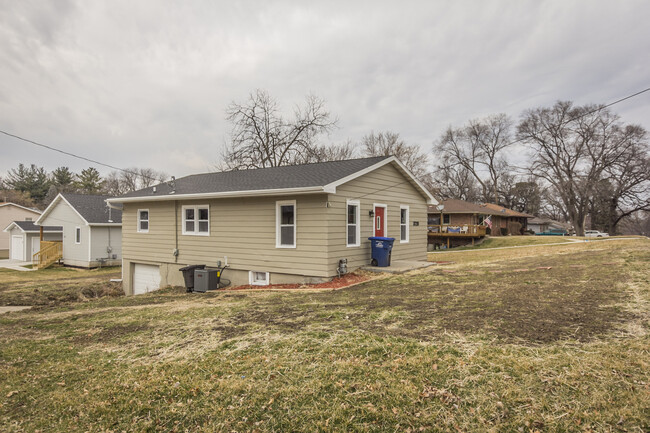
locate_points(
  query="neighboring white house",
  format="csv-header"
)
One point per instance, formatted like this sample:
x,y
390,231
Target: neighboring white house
x,y
26,238
92,232
10,212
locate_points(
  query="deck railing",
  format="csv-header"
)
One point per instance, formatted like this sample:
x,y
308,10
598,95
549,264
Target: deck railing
x,y
50,252
450,230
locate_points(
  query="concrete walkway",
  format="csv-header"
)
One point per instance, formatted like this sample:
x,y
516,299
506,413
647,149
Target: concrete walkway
x,y
400,266
15,265
4,310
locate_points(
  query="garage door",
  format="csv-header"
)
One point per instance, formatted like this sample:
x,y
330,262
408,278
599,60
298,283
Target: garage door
x,y
146,278
17,248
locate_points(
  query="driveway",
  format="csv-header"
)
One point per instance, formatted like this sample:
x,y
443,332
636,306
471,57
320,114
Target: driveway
x,y
15,265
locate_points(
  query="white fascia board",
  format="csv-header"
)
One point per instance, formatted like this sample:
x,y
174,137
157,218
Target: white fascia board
x,y
105,224
9,227
21,206
227,194
47,210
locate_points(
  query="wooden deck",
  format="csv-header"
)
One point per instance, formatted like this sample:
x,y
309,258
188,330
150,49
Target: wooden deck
x,y
446,231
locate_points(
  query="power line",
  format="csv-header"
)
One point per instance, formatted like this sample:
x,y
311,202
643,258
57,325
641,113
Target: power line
x,y
156,179
521,139
77,156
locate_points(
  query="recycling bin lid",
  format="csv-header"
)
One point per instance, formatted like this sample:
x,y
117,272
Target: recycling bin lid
x,y
380,238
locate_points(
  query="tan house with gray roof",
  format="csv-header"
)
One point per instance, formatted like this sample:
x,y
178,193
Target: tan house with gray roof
x,y
273,225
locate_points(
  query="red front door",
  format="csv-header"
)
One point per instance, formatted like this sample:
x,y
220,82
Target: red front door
x,y
379,221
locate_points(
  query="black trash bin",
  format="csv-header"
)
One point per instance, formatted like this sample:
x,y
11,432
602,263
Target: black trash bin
x,y
188,275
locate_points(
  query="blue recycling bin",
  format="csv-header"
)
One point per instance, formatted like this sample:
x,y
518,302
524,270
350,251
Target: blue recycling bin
x,y
381,250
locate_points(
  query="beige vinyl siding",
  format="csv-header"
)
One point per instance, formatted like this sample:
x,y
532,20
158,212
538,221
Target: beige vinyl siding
x,y
242,229
388,186
8,214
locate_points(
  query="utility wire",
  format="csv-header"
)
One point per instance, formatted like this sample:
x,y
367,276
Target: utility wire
x,y
156,179
521,139
78,156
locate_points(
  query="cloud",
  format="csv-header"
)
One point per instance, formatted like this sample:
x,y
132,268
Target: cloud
x,y
147,83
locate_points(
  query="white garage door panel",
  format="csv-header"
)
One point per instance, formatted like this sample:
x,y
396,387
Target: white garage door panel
x,y
17,248
146,278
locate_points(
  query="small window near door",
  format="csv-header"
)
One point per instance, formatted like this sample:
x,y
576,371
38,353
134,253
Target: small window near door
x,y
256,278
77,235
143,220
445,219
353,226
285,230
404,224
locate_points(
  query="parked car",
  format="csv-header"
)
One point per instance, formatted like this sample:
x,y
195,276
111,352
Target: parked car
x,y
595,234
552,232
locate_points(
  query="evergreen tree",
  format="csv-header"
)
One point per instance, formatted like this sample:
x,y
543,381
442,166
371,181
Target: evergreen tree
x,y
63,179
89,181
33,180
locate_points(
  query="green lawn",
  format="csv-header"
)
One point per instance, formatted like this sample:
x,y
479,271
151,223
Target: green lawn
x,y
551,340
515,241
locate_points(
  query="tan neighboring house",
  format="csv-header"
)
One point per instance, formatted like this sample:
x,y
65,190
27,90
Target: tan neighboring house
x,y
10,212
273,225
26,239
92,232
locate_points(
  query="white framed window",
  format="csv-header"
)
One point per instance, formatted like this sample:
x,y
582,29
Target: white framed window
x,y
404,223
256,278
196,220
285,224
353,227
143,220
445,219
77,235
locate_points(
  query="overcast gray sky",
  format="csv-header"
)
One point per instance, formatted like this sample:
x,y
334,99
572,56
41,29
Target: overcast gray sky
x,y
146,83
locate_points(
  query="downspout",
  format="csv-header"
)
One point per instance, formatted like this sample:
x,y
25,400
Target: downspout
x,y
175,231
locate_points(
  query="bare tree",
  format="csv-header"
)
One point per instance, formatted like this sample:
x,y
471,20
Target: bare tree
x,y
120,182
478,148
574,148
261,137
389,143
334,152
456,183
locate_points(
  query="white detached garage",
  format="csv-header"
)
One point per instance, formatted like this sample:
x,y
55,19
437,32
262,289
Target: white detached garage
x,y
25,239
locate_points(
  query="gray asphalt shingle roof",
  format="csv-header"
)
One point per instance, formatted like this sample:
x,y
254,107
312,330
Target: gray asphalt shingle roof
x,y
291,176
29,226
93,208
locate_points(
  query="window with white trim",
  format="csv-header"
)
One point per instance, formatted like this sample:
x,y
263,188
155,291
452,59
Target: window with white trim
x,y
353,224
196,220
404,224
143,220
445,218
285,220
256,278
77,235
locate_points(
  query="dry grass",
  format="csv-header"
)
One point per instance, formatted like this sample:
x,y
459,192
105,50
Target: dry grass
x,y
496,345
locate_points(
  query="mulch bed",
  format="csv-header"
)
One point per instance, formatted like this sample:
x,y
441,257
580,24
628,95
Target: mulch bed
x,y
336,283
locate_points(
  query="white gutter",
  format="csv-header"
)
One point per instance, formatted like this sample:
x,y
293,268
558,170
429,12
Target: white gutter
x,y
251,193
